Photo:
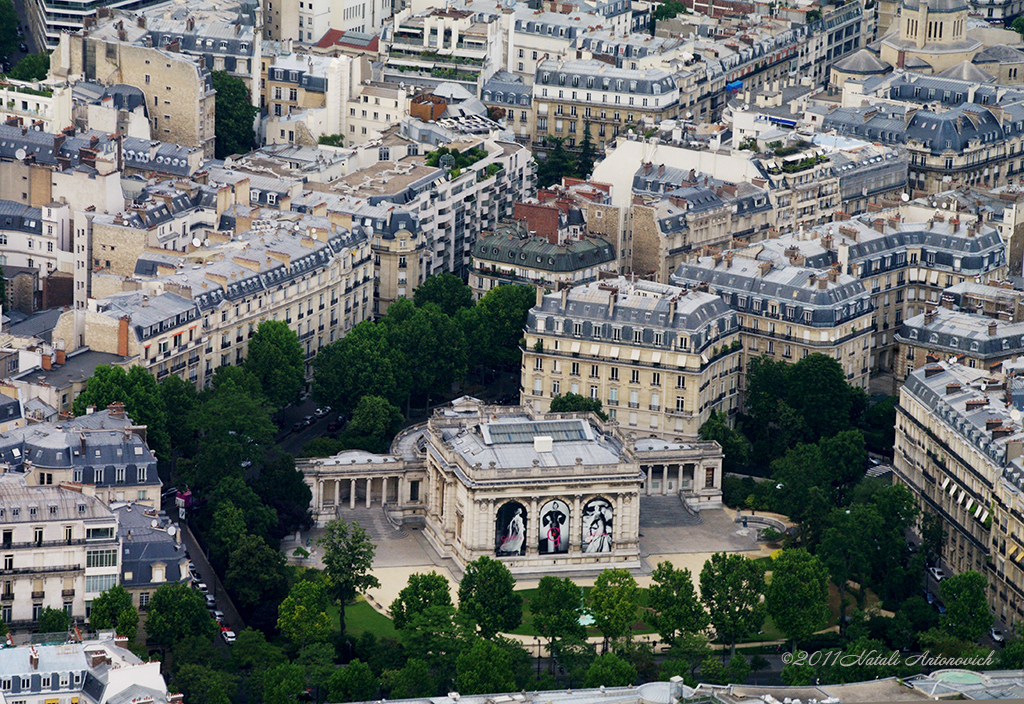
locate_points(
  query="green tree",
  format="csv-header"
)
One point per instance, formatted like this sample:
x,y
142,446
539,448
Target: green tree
x,y
487,596
421,592
967,614
558,163
283,684
933,537
353,683
348,558
557,608
447,291
738,670
574,655
731,587
234,116
255,573
276,360
253,656
433,344
615,603
180,405
585,159
176,611
1011,655
317,661
609,670
8,28
501,316
374,424
280,486
204,685
227,530
236,430
482,668
412,681
331,140
574,403
690,650
114,609
259,518
847,546
879,425
362,362
54,620
32,67
735,447
673,600
302,616
797,597
818,389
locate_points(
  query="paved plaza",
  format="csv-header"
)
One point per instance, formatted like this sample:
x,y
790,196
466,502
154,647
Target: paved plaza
x,y
668,532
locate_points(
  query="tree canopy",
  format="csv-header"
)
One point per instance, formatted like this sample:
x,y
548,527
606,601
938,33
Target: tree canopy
x,y
615,603
575,403
487,596
114,609
731,587
447,291
674,603
234,117
797,598
277,362
967,614
177,611
347,557
421,592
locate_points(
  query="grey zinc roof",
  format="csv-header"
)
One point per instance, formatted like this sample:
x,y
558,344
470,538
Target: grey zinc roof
x,y
938,5
541,254
864,63
144,546
954,128
33,504
644,306
646,79
967,71
954,333
742,285
150,315
509,444
999,53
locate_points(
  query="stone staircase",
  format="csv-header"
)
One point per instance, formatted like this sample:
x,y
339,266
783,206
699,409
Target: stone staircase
x,y
668,510
374,522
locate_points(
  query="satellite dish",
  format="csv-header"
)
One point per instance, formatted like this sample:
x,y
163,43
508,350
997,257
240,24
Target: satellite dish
x,y
206,241
196,241
154,523
905,197
1015,415
171,531
945,205
20,154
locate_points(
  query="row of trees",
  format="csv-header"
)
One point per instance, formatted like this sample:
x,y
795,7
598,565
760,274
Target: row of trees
x,y
424,345
560,163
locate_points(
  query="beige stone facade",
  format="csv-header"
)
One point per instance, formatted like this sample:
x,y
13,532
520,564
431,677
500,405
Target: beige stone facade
x,y
178,88
659,358
543,493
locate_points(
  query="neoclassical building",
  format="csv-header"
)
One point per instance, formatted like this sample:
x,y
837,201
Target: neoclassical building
x,y
542,492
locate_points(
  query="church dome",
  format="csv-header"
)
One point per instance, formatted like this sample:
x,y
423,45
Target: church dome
x,y
937,5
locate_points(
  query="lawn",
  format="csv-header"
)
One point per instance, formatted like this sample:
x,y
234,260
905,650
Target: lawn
x,y
527,629
361,617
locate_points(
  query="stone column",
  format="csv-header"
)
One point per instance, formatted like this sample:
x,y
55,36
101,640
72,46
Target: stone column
x,y
337,494
369,490
532,528
401,489
319,494
679,485
576,527
352,494
664,479
618,531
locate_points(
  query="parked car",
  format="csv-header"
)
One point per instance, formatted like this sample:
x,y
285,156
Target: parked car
x,y
937,573
211,600
939,607
218,615
228,636
321,412
23,48
308,421
996,635
336,424
201,586
929,597
298,425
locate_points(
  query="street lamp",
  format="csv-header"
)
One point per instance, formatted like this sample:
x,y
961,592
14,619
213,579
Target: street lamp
x,y
537,641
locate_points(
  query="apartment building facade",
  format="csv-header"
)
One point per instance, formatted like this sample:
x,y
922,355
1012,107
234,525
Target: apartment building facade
x,y
788,311
178,87
60,550
959,446
942,333
660,358
572,96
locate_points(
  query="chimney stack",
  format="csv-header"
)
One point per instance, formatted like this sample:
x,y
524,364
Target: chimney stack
x,y
992,327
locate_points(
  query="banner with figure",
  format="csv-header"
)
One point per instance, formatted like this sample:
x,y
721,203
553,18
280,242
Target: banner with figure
x,y
510,530
597,526
554,528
